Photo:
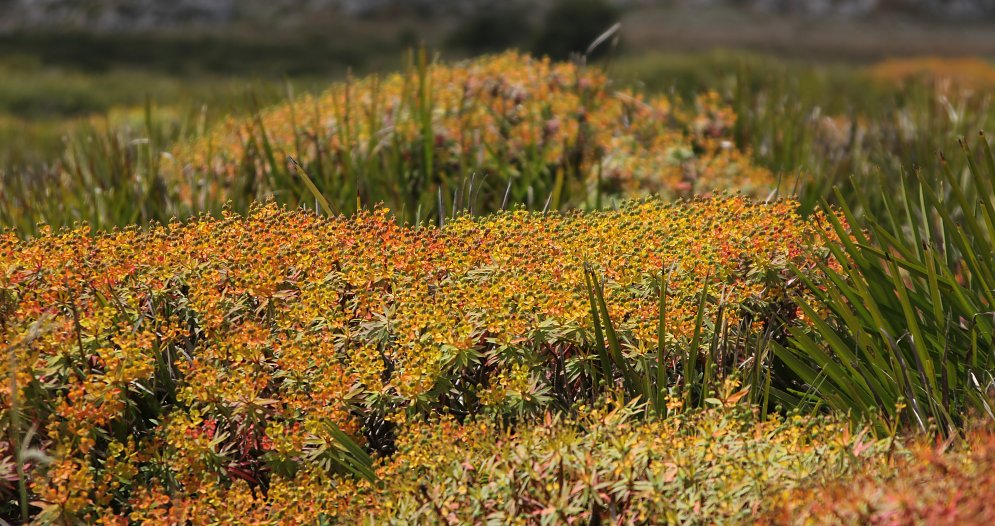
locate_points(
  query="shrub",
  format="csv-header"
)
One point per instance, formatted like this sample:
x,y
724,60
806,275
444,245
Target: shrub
x,y
475,136
498,28
606,466
570,26
171,365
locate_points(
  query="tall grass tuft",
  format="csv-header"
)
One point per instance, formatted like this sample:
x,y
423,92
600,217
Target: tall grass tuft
x,y
698,372
903,332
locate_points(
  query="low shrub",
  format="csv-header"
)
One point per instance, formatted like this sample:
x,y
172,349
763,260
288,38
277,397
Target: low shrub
x,y
182,361
474,136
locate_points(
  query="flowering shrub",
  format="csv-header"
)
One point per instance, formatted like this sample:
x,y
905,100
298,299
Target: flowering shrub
x,y
474,135
172,371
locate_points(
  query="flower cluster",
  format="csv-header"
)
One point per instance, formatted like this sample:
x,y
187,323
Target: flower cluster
x,y
175,370
512,124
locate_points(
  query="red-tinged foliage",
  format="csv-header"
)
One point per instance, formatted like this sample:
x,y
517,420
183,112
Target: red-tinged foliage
x,y
935,484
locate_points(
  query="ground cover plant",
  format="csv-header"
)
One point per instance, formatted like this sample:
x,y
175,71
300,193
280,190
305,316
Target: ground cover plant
x,y
288,350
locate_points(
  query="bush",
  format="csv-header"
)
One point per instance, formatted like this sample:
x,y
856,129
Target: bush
x,y
571,25
242,351
607,466
498,28
476,136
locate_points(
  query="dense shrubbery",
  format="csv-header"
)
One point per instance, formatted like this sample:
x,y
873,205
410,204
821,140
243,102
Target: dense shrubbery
x,y
190,356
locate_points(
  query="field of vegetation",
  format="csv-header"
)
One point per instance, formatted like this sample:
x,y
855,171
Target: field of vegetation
x,y
711,288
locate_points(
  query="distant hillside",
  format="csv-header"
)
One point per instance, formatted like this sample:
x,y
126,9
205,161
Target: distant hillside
x,y
139,15
104,15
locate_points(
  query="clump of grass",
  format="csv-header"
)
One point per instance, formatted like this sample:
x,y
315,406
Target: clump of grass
x,y
109,175
903,330
710,357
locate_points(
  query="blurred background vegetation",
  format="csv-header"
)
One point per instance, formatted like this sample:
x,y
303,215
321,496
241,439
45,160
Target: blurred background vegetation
x,y
67,62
